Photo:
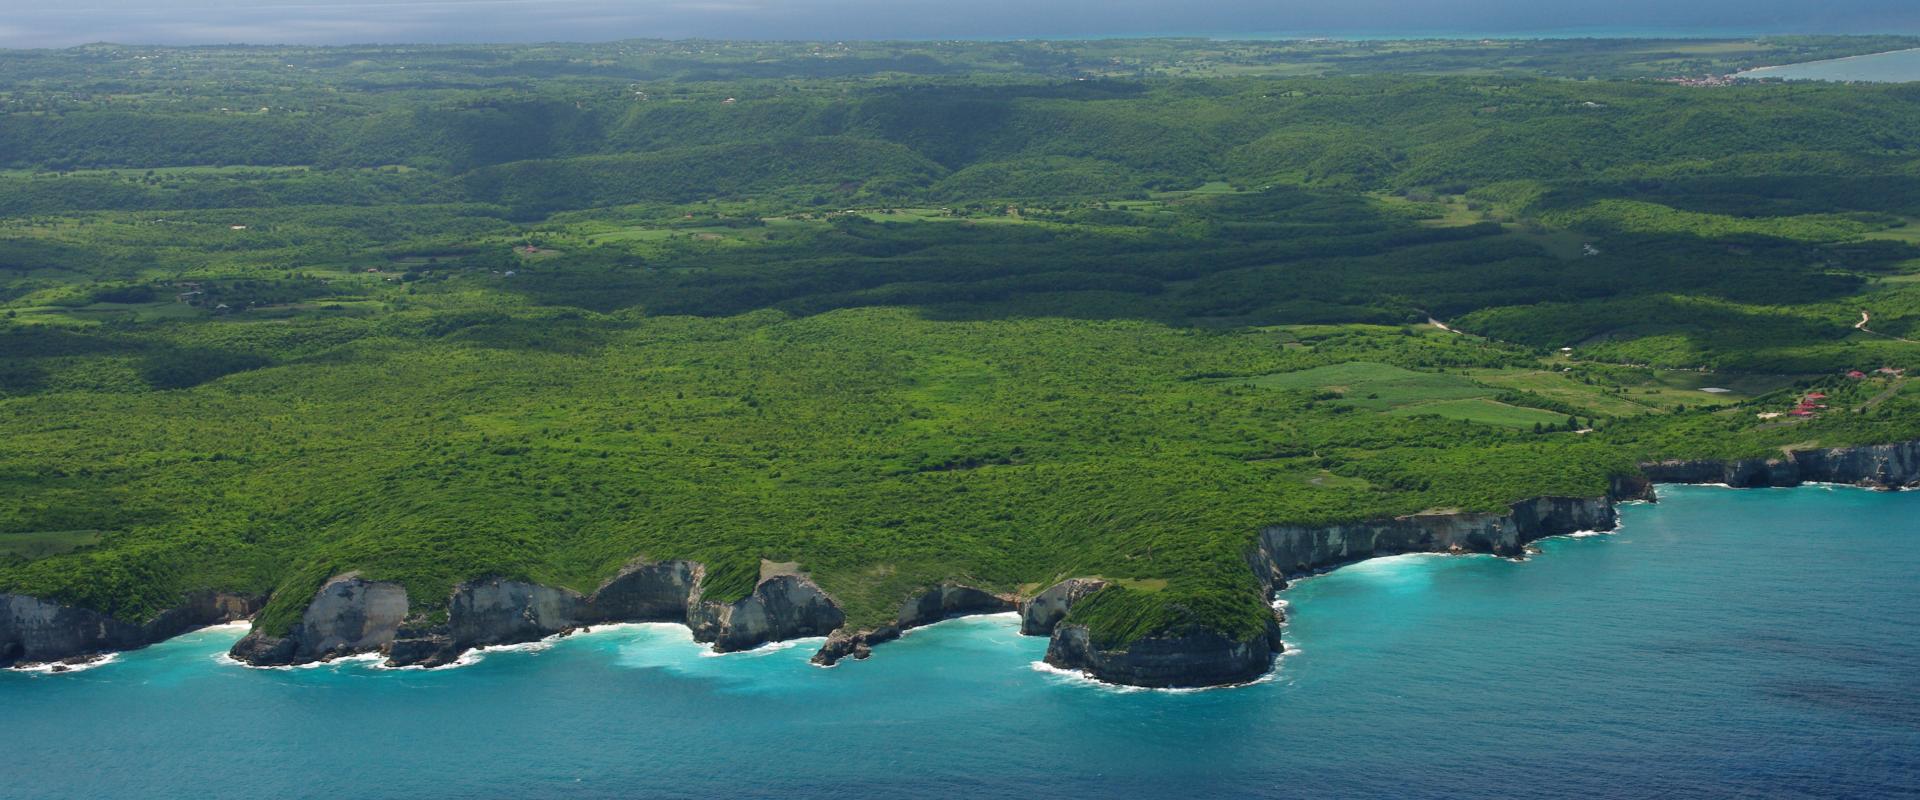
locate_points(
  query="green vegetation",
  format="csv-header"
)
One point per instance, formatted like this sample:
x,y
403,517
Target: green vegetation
x,y
40,544
1001,313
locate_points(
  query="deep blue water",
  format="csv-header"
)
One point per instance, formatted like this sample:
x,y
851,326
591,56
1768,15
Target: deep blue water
x,y
1724,643
1898,66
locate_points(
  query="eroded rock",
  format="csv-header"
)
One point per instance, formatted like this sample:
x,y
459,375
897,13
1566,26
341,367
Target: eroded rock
x,y
348,615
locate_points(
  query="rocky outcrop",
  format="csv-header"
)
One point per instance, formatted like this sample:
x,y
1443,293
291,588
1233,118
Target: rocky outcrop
x,y
1039,615
1206,658
1887,466
1198,657
647,591
942,602
348,615
950,600
1285,550
780,607
1201,657
485,613
351,615
33,630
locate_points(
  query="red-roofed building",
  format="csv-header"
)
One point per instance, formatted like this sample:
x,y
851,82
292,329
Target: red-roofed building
x,y
1856,374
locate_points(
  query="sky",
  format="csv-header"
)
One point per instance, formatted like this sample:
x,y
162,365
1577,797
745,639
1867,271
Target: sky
x,y
39,23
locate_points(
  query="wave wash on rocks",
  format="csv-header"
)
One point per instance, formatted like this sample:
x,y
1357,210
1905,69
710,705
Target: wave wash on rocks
x,y
352,615
1282,552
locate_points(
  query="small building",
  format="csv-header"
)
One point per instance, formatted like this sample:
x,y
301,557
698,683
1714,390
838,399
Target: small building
x,y
1856,374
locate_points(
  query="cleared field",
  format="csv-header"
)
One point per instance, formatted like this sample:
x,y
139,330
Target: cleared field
x,y
1483,411
1907,230
40,544
1556,385
1685,386
1377,387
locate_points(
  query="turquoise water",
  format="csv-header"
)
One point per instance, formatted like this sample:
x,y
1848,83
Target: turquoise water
x,y
1895,67
1724,643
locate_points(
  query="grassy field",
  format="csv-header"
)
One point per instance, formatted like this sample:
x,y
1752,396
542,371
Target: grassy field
x,y
41,544
1483,411
1377,387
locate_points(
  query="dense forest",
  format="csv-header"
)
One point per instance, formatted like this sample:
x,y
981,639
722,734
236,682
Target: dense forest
x,y
1000,313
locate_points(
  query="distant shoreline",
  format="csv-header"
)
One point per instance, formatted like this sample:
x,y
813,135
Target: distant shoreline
x,y
1415,36
1754,73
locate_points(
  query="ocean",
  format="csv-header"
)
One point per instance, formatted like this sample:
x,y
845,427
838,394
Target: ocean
x,y
1898,66
1722,643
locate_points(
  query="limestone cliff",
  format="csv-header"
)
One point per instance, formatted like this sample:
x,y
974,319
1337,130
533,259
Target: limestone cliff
x,y
348,615
352,615
945,601
484,613
1284,550
1203,657
1197,657
35,630
647,591
1039,615
1887,466
780,607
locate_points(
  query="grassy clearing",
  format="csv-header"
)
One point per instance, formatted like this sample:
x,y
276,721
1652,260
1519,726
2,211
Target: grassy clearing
x,y
1631,216
1483,411
1377,387
41,544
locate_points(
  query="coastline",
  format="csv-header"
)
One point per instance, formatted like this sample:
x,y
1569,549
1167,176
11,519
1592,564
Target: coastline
x,y
1402,661
1750,74
786,609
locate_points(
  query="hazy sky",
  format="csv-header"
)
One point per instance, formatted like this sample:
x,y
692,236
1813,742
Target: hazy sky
x,y
40,23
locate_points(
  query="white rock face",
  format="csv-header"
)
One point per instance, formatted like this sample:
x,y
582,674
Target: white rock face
x,y
349,613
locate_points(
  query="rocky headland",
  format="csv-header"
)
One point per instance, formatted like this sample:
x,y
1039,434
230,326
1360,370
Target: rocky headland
x,y
350,615
35,631
1282,552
